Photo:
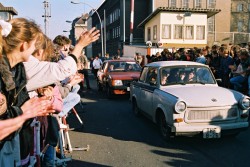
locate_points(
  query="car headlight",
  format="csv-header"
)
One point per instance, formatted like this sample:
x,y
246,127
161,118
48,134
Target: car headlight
x,y
117,83
180,107
244,103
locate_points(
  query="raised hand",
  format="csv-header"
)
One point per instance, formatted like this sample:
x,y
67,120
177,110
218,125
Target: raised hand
x,y
85,39
88,37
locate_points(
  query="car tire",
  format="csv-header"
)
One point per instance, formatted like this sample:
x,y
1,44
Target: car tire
x,y
108,92
135,108
164,129
99,86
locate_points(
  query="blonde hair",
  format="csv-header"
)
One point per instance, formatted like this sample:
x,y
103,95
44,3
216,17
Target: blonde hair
x,y
23,30
47,45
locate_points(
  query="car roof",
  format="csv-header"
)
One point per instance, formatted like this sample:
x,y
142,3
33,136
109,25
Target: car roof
x,y
120,60
173,63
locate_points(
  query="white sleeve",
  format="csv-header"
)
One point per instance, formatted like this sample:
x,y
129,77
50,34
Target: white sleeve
x,y
41,73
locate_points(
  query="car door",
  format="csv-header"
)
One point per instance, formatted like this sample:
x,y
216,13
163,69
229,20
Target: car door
x,y
147,91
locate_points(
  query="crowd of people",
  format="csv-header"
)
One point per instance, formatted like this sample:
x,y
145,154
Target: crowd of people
x,y
229,63
38,81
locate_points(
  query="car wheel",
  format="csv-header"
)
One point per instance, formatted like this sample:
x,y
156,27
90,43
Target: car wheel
x,y
165,130
99,86
135,108
108,92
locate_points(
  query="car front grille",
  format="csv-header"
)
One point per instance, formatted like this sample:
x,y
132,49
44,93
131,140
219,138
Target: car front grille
x,y
126,82
212,114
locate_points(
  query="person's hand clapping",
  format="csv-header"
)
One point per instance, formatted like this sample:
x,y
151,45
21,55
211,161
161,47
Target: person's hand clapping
x,y
37,107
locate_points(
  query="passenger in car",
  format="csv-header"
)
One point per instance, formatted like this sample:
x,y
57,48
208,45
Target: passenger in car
x,y
152,76
173,77
191,77
164,80
182,76
111,67
129,67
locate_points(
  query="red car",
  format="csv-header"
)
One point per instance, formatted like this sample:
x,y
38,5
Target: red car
x,y
115,76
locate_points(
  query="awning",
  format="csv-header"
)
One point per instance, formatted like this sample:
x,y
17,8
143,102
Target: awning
x,y
180,45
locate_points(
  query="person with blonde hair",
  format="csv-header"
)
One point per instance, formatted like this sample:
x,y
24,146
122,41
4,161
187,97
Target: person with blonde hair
x,y
18,41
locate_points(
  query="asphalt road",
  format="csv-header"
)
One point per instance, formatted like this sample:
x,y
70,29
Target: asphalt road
x,y
118,138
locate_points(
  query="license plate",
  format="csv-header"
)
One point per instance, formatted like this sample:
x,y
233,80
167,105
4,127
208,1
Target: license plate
x,y
210,133
128,89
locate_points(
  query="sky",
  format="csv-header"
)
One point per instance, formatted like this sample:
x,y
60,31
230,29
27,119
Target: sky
x,y
61,10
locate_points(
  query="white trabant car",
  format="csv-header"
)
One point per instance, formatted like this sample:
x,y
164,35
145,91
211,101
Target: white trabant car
x,y
183,98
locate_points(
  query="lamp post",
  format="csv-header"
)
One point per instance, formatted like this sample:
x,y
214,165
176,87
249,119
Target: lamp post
x,y
98,18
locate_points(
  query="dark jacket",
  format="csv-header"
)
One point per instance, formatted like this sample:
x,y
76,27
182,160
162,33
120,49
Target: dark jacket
x,y
13,82
12,85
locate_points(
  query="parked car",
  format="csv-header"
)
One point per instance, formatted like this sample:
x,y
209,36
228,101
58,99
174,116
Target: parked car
x,y
115,76
183,98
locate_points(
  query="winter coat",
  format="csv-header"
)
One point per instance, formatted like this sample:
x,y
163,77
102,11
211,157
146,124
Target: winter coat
x,y
12,85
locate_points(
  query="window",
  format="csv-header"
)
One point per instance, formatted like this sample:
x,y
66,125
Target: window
x,y
108,35
200,32
210,24
211,3
185,3
149,34
178,31
4,15
240,25
144,74
240,7
111,18
248,26
172,3
197,3
119,31
155,32
152,76
189,32
166,31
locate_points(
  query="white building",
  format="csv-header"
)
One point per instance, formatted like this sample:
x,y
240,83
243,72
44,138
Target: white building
x,y
177,27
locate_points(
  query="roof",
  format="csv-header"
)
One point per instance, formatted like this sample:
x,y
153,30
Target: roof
x,y
174,63
121,60
210,12
8,9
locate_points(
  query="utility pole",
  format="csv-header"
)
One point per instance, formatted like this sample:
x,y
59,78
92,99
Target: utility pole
x,y
131,22
47,15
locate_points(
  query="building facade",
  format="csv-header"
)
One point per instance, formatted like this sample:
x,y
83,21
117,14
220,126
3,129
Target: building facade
x,y
116,17
182,27
240,21
218,26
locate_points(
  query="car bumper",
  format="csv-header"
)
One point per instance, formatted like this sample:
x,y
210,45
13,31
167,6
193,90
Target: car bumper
x,y
120,90
188,130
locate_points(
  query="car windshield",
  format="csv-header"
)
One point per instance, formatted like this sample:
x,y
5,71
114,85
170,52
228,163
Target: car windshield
x,y
124,66
186,75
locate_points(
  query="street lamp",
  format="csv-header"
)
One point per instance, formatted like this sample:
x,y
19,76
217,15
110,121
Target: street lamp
x,y
98,18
